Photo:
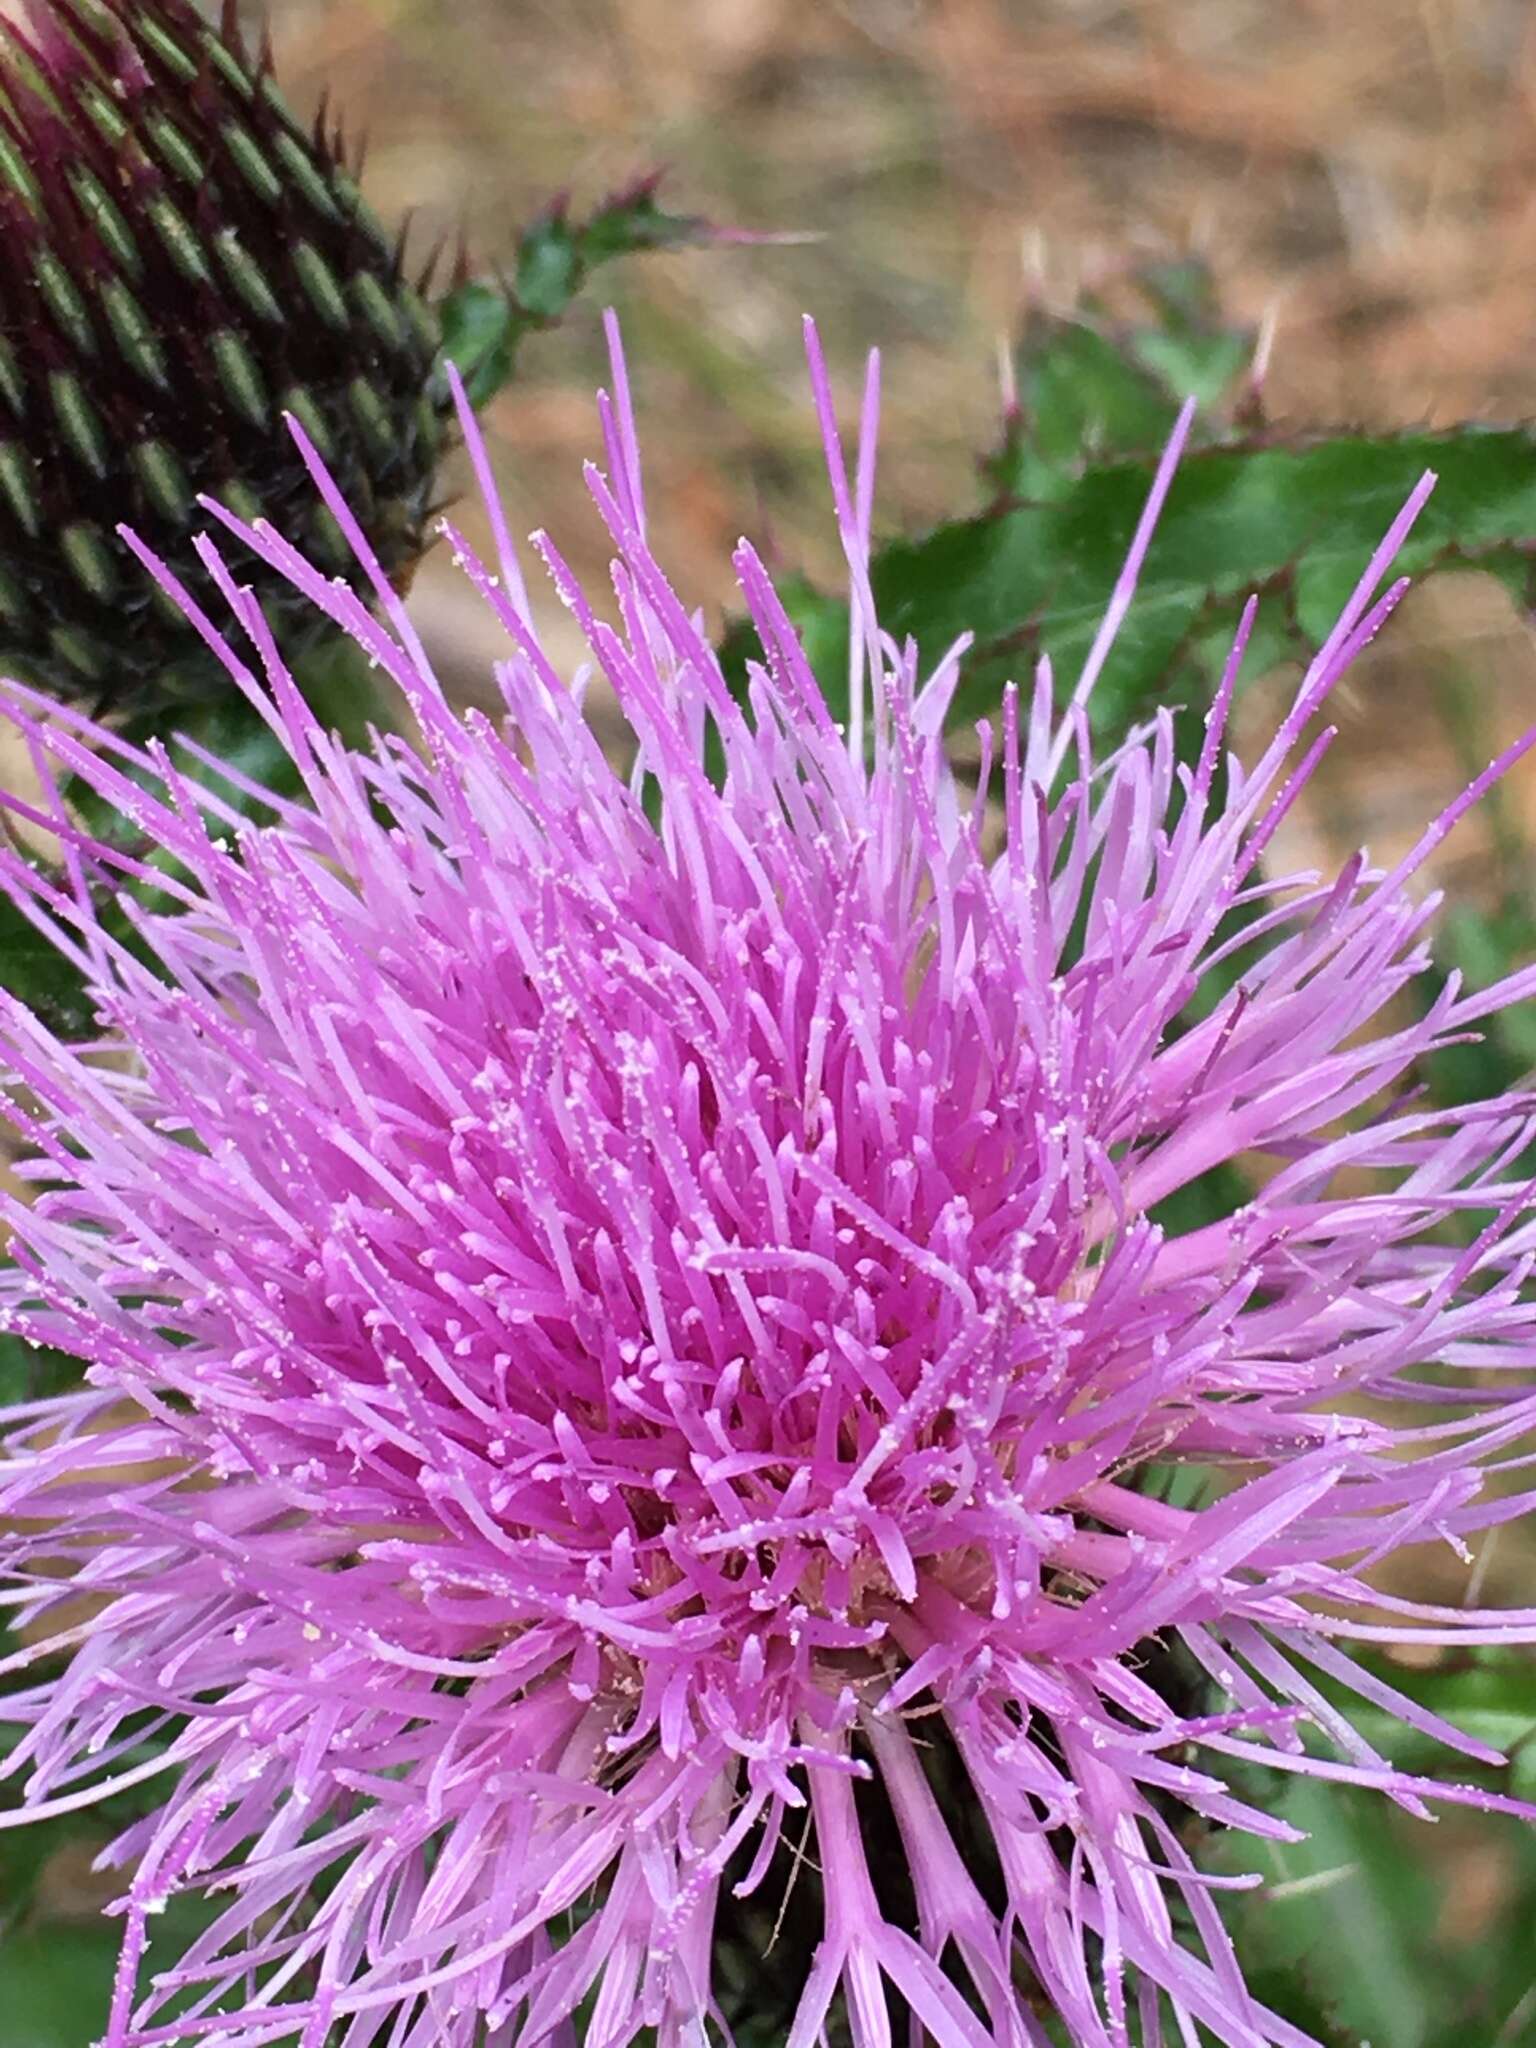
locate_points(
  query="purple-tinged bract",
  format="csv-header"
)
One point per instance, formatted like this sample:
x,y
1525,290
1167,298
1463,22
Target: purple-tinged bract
x,y
181,264
630,1335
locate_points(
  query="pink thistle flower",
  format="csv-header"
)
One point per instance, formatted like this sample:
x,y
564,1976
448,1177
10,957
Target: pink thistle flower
x,y
622,1341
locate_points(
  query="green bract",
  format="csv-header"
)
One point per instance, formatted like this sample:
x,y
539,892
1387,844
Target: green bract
x,y
181,265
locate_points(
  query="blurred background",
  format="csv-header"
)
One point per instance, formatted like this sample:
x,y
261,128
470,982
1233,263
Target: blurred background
x,y
1361,175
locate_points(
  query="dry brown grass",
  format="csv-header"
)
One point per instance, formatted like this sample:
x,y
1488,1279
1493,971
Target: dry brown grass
x,y
1365,172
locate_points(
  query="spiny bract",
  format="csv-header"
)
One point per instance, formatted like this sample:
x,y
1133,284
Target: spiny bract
x,y
632,1335
181,264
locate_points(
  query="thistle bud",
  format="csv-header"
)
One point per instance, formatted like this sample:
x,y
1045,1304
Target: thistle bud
x,y
182,264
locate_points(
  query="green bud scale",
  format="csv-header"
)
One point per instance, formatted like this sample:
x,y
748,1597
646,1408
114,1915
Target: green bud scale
x,y
182,264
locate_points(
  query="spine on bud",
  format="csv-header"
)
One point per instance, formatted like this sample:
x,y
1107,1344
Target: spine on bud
x,y
181,263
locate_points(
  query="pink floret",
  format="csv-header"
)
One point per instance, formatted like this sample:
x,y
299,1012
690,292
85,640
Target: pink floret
x,y
624,1308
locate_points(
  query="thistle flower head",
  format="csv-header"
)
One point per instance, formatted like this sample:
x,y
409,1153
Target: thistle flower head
x,y
632,1335
181,264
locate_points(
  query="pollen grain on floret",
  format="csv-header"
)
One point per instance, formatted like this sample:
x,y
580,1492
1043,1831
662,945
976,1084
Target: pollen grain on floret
x,y
670,1278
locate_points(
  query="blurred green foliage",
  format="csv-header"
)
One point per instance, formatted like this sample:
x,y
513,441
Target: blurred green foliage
x,y
484,323
1293,521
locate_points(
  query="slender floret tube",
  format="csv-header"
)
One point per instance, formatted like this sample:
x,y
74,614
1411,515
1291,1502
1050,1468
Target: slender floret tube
x,y
640,1346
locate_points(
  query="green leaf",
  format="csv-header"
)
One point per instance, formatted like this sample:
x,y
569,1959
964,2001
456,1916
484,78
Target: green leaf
x,y
1349,1938
1345,1918
1483,946
1090,386
56,1985
1294,521
1296,524
56,1976
1491,1697
483,325
32,969
34,1372
481,329
340,690
1355,1934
